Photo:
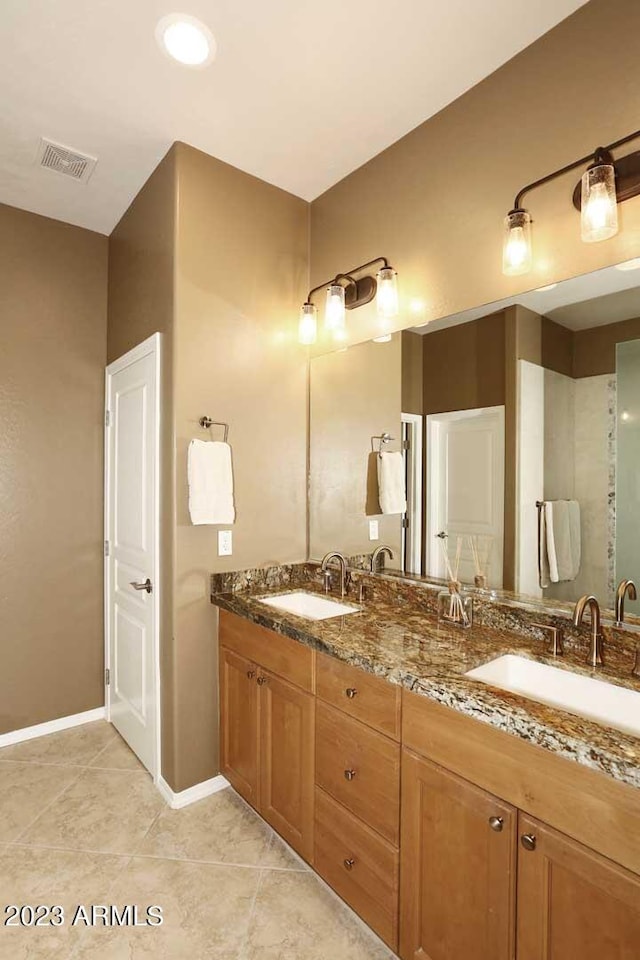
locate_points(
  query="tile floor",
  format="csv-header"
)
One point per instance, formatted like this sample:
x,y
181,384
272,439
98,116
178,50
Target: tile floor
x,y
82,824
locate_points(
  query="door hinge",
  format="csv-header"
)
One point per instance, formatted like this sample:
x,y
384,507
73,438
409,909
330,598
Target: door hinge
x,y
405,522
406,445
106,548
107,677
107,418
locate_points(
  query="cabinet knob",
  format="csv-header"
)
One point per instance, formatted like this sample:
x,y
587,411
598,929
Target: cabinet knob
x,y
349,774
261,680
351,692
496,823
251,674
349,864
528,841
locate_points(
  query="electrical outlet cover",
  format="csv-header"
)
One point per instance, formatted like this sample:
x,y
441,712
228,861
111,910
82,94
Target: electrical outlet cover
x,y
373,530
225,543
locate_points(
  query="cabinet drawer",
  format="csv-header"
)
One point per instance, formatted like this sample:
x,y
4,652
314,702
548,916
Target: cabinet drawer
x,y
360,694
360,768
285,657
360,866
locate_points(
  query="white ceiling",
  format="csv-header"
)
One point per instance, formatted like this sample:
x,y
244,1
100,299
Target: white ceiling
x,y
589,300
301,92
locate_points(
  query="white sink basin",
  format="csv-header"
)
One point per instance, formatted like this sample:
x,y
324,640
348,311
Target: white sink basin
x,y
594,699
309,605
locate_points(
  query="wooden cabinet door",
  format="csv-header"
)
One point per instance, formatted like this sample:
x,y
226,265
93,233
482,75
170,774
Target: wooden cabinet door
x,y
239,723
457,871
573,902
287,761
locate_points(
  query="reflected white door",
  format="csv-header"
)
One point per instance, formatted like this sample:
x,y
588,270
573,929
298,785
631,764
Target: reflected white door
x,y
132,536
465,465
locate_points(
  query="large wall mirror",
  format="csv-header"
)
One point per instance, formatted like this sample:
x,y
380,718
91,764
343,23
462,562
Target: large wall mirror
x,y
499,447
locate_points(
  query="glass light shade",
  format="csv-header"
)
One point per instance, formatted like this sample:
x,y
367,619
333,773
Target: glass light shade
x,y
599,213
516,250
387,295
308,325
335,317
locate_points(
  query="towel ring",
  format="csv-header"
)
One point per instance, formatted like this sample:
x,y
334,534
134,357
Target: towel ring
x,y
383,438
206,422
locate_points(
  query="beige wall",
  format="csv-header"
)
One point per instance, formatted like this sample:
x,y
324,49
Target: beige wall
x,y
141,302
218,262
434,202
354,395
53,300
241,274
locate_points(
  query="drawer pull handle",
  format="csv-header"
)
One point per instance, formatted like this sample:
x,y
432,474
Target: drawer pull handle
x,y
351,692
349,864
251,674
349,774
528,841
261,680
496,823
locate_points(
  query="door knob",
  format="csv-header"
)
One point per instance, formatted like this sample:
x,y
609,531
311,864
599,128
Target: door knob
x,y
528,841
349,774
443,535
261,681
349,863
251,674
351,692
496,823
147,585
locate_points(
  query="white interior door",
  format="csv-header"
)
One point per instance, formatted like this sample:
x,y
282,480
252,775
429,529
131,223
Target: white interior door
x,y
131,548
465,464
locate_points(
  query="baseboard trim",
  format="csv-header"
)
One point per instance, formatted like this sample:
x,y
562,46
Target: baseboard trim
x,y
51,726
198,792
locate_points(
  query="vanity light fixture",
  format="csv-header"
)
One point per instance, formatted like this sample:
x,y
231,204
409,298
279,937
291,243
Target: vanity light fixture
x,y
335,314
605,184
308,325
599,204
346,291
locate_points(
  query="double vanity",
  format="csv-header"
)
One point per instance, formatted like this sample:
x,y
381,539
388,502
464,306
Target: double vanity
x,y
469,794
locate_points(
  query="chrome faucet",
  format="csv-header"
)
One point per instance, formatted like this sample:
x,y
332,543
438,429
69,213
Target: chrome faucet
x,y
345,576
624,587
378,552
595,657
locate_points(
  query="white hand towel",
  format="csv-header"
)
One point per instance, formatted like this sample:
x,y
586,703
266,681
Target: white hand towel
x,y
562,520
391,483
543,553
210,476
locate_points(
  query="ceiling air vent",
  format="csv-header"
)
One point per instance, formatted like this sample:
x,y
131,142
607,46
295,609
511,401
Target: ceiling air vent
x,y
65,160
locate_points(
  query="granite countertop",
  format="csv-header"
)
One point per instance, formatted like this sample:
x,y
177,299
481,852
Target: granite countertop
x,y
404,644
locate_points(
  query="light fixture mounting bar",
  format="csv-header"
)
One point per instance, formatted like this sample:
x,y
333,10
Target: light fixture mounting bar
x,y
357,291
599,152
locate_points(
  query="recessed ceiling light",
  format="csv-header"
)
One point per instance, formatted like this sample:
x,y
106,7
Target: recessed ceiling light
x,y
629,265
549,286
186,40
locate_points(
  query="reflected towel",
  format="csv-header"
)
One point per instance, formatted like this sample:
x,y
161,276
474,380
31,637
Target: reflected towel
x,y
391,483
562,522
210,477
